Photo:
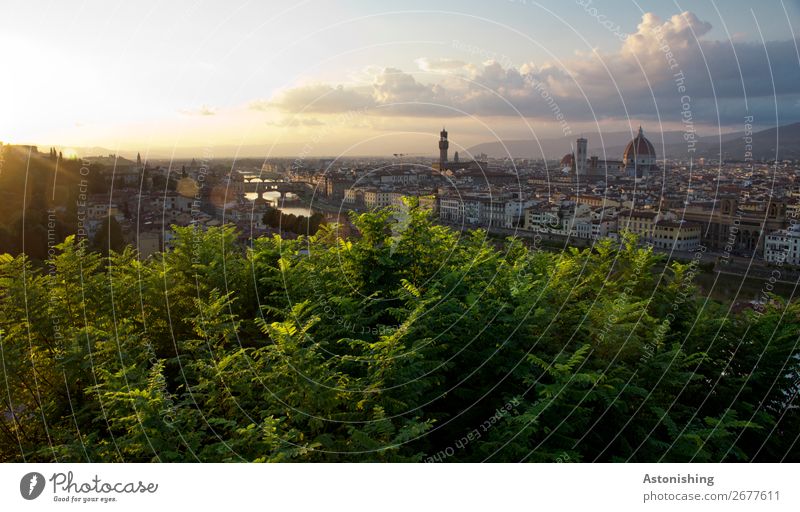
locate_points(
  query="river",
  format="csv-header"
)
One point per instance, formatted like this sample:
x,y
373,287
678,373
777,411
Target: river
x,y
274,198
731,287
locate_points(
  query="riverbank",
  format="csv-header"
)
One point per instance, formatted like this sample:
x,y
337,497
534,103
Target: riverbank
x,y
310,206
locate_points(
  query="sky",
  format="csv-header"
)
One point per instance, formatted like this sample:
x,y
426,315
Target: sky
x,y
312,77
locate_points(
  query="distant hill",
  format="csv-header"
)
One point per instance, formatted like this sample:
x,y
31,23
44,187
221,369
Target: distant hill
x,y
781,142
88,151
110,160
613,144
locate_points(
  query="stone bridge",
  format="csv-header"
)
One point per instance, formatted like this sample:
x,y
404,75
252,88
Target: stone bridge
x,y
255,185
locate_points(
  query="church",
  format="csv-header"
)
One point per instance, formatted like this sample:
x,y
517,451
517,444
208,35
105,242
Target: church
x,y
638,160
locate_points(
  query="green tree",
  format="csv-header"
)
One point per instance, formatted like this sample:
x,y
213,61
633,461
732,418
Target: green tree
x,y
109,237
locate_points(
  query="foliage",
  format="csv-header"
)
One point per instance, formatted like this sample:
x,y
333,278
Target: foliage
x,y
408,343
291,223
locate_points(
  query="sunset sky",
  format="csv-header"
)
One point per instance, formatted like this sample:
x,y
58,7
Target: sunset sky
x,y
375,77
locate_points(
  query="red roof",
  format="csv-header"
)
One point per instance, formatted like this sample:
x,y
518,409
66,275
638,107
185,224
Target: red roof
x,y
639,146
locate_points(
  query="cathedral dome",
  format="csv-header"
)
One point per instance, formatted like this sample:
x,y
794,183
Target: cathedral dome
x,y
638,149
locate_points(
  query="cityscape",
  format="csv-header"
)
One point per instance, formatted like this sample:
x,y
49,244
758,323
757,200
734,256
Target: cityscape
x,y
349,231
742,213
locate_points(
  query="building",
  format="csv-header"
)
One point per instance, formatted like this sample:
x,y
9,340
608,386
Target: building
x,y
604,228
580,157
542,218
595,200
783,246
597,167
398,178
515,212
736,227
353,197
173,201
642,223
639,158
336,187
451,209
376,198
445,165
568,161
582,228
102,210
567,219
676,235
481,210
443,146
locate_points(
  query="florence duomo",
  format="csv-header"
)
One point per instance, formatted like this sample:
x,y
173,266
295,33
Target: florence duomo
x,y
638,160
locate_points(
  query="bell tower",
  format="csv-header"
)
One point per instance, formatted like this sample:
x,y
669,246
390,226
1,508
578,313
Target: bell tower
x,y
443,146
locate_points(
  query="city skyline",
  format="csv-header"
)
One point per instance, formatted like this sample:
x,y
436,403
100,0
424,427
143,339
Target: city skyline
x,y
367,79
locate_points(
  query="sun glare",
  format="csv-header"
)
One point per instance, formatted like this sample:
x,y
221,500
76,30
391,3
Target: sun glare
x,y
69,153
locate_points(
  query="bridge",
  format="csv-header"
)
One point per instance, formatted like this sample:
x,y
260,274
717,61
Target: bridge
x,y
253,184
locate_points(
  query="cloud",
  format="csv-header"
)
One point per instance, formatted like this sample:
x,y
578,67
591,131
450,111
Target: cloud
x,y
317,98
202,110
681,30
293,122
654,72
394,86
440,65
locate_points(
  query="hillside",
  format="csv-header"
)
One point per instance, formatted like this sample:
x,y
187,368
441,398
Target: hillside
x,y
785,138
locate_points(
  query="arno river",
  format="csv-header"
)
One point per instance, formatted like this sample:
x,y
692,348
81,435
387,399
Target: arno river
x,y
295,209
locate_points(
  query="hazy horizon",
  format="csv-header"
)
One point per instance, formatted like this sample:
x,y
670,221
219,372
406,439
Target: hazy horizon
x,y
254,151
